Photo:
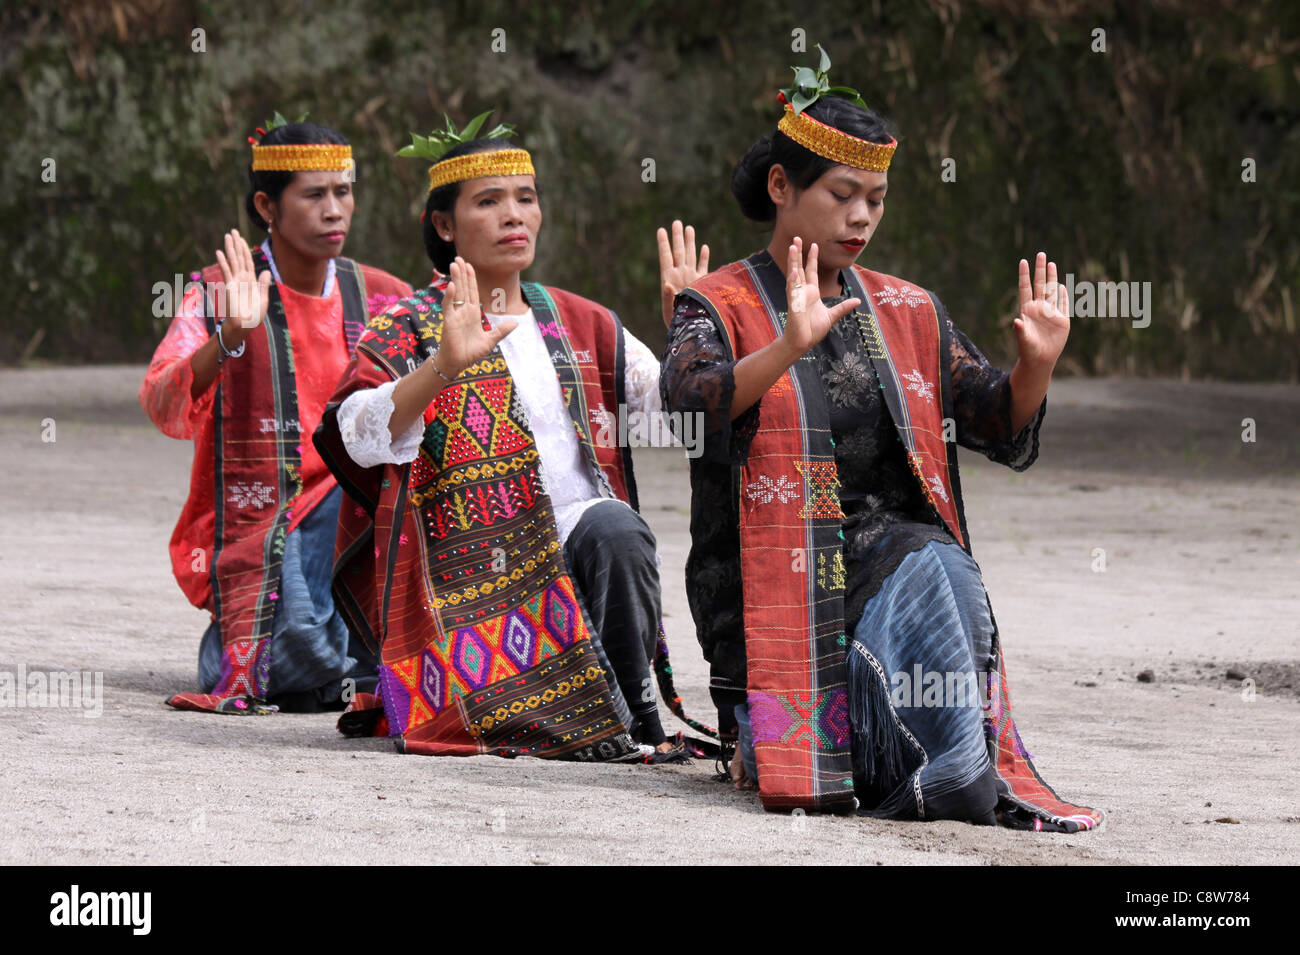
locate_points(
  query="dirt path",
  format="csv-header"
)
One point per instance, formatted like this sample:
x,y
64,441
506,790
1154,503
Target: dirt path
x,y
1202,576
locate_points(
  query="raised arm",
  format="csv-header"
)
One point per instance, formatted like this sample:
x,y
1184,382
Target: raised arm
x,y
806,324
1041,330
464,341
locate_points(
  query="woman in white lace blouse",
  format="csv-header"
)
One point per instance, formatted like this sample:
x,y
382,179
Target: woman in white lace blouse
x,y
447,389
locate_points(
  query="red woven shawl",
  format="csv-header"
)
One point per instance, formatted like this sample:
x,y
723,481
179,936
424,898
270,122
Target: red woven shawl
x,y
452,566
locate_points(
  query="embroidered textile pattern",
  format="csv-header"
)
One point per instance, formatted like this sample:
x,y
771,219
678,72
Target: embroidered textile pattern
x,y
735,295
553,710
475,421
255,495
928,485
764,490
901,295
916,382
246,668
460,662
870,335
834,580
821,479
820,722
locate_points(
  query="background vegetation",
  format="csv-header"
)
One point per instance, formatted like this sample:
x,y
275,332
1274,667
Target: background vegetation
x,y
1124,166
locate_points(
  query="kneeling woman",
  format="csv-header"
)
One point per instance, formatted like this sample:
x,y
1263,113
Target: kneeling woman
x,y
496,560
830,563
254,544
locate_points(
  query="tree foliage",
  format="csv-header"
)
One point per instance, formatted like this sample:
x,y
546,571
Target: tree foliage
x,y
1125,165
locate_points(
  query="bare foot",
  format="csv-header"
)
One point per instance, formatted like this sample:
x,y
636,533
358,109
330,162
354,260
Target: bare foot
x,y
738,777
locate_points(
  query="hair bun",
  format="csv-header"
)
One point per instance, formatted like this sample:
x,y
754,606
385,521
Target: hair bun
x,y
749,182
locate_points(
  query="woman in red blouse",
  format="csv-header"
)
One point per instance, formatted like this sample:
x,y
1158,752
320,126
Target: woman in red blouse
x,y
244,371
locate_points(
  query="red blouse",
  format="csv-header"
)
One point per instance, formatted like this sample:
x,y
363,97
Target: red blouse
x,y
320,356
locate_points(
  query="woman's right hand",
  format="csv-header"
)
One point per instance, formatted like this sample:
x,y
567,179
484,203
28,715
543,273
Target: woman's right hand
x,y
464,339
678,266
808,320
247,294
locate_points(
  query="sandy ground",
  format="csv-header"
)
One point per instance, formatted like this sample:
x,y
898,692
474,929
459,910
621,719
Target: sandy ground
x,y
1202,576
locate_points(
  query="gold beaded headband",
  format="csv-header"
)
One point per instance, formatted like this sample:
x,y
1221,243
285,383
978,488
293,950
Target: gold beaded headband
x,y
294,158
499,162
835,144
298,157
826,141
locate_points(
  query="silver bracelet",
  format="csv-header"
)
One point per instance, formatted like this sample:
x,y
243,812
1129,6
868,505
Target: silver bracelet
x,y
433,360
226,352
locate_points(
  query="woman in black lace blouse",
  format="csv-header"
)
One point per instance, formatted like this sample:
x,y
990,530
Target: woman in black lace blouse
x,y
909,590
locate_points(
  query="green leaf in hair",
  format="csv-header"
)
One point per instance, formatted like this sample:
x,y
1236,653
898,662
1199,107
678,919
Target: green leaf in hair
x,y
279,120
438,143
803,76
810,85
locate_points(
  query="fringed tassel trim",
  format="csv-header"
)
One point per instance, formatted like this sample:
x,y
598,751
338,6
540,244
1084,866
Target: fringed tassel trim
x,y
877,739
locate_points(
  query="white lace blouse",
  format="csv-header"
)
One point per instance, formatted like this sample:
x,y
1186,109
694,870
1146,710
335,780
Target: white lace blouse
x,y
567,477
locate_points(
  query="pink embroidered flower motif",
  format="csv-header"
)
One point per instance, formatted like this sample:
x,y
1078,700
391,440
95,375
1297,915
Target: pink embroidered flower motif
x,y
358,511
401,540
378,302
273,595
241,704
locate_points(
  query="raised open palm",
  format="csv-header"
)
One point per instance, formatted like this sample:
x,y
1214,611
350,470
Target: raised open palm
x,y
1044,321
678,266
808,320
247,294
464,339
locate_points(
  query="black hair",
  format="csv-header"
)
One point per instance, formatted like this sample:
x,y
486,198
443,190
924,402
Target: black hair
x,y
443,199
802,166
274,183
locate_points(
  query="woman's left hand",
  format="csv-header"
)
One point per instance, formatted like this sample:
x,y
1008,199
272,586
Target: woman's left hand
x,y
678,267
1044,321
